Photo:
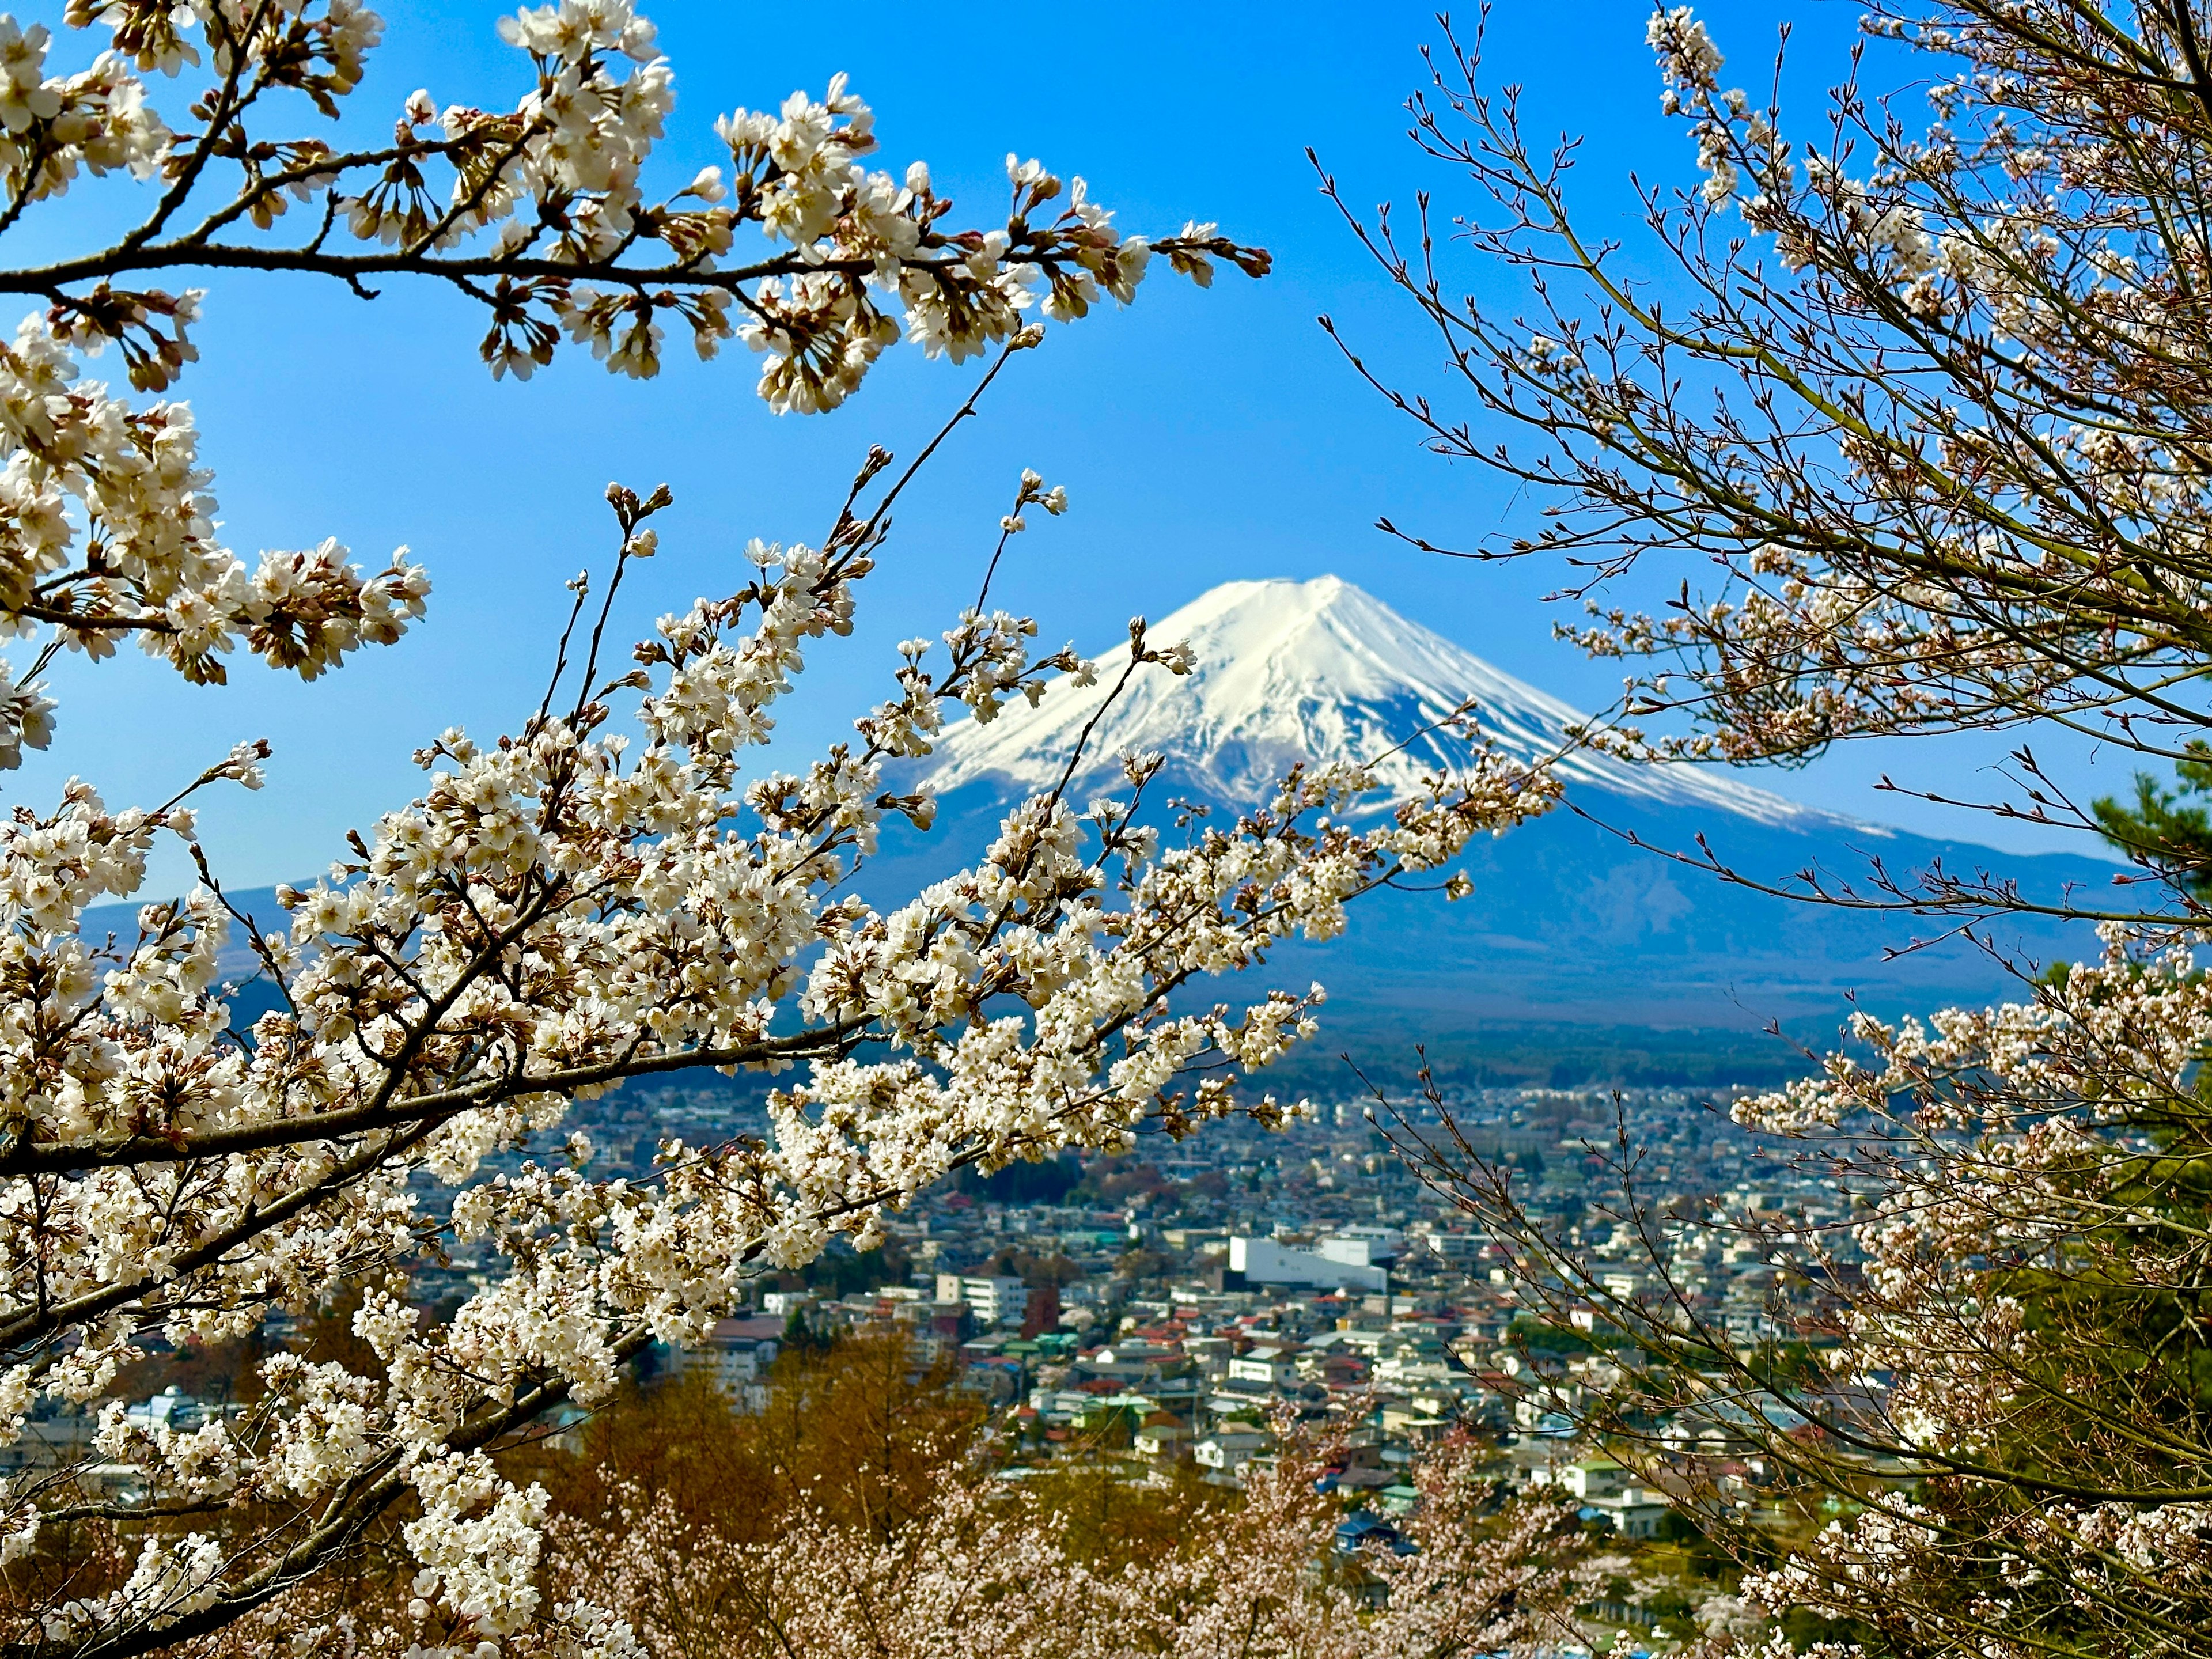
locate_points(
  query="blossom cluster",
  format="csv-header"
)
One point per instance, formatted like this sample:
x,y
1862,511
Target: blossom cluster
x,y
985,1567
848,258
1922,424
106,530
568,906
540,213
97,119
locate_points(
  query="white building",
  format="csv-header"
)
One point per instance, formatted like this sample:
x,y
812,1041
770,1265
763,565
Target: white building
x,y
1634,1511
171,1408
1594,1478
1229,1450
1162,1440
1274,1367
1546,1400
994,1301
1365,1247
737,1355
1263,1262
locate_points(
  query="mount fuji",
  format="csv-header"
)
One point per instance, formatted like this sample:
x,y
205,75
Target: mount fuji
x,y
1314,669
1574,942
1570,923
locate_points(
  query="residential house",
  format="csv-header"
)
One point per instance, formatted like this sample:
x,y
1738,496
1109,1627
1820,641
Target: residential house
x,y
1267,1364
1229,1450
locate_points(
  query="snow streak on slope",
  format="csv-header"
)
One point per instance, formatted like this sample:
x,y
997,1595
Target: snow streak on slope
x,y
1289,671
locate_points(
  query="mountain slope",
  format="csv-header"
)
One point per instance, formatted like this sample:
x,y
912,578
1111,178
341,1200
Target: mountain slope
x,y
1289,669
1568,924
1568,921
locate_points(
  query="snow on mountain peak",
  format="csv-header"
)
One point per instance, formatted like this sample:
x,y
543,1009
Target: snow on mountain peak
x,y
1292,670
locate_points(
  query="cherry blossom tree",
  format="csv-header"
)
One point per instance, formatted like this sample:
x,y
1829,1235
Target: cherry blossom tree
x,y
1901,410
603,893
984,1568
918,1538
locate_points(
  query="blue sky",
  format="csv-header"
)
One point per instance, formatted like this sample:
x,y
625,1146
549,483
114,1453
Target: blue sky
x,y
1203,436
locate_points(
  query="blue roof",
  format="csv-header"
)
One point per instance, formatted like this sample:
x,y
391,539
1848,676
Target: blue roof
x,y
1365,1527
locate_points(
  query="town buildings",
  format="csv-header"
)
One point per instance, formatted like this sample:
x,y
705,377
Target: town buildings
x,y
1180,1304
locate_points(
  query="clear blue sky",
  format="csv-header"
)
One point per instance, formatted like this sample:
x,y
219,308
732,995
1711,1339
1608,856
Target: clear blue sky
x,y
1203,436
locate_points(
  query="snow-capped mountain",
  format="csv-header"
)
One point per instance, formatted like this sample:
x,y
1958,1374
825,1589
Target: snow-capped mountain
x,y
1570,925
1314,669
1570,922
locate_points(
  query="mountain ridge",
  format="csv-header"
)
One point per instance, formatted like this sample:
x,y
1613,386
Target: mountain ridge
x,y
1570,925
1569,921
1289,669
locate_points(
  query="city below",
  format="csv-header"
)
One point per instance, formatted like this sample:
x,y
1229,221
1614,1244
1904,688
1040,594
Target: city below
x,y
1181,1304
1177,1311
